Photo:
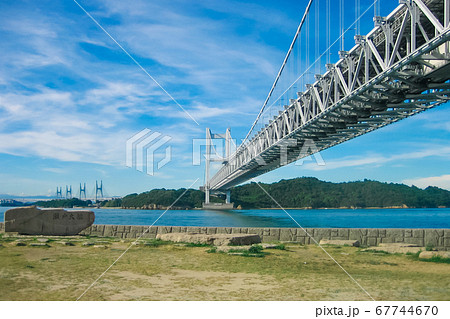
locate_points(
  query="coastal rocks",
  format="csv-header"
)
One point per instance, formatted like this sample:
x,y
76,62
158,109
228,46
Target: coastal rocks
x,y
401,248
337,242
65,243
431,254
19,243
216,239
54,221
226,249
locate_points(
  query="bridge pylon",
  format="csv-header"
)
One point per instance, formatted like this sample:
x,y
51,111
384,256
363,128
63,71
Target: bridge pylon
x,y
98,190
58,192
83,191
216,158
68,192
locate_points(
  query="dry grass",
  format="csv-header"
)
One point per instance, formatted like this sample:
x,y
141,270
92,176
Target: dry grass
x,y
173,272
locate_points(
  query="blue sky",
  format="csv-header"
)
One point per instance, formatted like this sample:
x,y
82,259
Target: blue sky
x,y
70,97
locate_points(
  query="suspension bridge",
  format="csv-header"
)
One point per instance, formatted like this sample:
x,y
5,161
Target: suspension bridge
x,y
398,69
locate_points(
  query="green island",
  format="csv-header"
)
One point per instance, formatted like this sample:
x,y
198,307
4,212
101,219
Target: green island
x,y
305,192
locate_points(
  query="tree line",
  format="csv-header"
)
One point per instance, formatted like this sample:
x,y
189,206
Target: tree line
x,y
305,192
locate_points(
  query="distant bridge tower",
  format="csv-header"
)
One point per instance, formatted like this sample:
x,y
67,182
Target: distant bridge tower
x,y
68,192
83,191
58,192
98,190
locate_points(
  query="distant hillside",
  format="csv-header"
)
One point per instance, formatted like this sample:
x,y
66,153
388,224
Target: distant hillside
x,y
311,192
305,192
65,203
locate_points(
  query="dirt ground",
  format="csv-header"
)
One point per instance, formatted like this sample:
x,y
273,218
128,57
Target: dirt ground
x,y
167,271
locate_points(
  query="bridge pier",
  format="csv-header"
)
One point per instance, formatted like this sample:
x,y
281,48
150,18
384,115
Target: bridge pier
x,y
228,198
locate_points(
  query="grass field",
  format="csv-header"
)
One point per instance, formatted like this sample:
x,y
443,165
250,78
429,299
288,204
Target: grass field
x,y
156,270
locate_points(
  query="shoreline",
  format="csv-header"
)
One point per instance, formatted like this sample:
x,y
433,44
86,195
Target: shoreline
x,y
286,208
266,208
438,238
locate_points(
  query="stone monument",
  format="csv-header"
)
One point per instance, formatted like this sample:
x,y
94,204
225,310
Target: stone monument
x,y
50,221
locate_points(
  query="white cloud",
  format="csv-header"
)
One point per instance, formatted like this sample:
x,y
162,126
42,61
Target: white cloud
x,y
442,181
378,159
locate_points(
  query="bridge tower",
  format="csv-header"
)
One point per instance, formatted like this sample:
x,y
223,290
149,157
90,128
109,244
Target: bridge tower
x,y
58,192
68,192
217,158
98,190
83,191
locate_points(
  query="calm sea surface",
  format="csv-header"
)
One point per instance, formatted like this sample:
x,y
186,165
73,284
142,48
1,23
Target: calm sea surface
x,y
346,218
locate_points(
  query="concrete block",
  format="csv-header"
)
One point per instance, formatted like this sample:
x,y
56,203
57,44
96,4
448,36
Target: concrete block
x,y
209,231
220,230
417,233
382,233
235,230
408,233
301,240
149,235
355,233
108,231
309,232
258,231
446,242
396,234
415,241
343,232
372,233
274,232
371,241
216,240
136,231
321,233
176,229
432,238
183,229
193,230
430,254
288,234
164,229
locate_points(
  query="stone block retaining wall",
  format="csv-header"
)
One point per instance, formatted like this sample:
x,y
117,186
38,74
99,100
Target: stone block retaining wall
x,y
437,238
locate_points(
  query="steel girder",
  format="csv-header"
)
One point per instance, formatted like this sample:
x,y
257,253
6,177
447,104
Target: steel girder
x,y
399,69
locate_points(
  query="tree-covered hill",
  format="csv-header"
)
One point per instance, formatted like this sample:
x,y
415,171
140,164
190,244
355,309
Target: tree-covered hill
x,y
300,193
65,203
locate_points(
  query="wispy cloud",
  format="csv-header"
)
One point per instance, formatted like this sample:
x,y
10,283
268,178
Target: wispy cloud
x,y
379,159
442,181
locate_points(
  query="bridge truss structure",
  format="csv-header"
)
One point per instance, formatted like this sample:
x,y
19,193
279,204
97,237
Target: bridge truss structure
x,y
397,70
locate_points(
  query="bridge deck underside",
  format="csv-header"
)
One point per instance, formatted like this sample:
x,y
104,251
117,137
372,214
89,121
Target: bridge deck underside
x,y
398,70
